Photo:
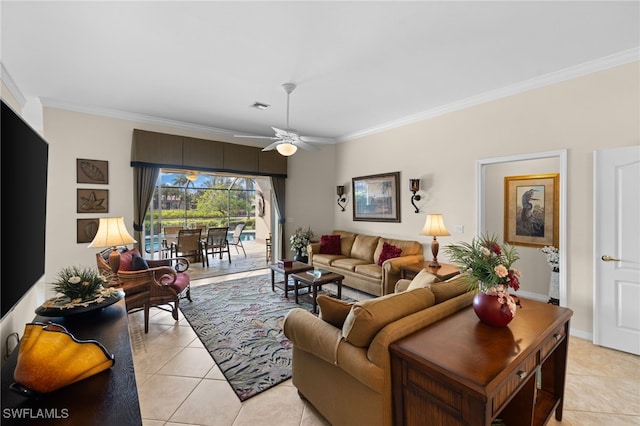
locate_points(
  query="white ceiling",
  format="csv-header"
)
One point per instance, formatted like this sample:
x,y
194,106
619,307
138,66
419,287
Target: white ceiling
x,y
359,66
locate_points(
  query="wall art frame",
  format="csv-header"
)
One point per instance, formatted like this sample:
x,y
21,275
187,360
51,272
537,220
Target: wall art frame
x,y
92,171
86,229
531,210
92,200
376,198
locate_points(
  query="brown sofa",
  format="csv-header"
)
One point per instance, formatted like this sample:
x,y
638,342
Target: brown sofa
x,y
358,258
341,360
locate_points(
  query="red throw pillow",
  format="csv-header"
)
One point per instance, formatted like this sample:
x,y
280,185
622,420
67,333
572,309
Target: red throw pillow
x,y
330,244
389,251
126,259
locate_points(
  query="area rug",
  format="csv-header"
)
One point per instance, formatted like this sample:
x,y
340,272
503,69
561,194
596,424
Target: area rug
x,y
240,323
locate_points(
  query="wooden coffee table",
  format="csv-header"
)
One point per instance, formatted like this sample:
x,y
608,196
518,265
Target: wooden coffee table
x,y
286,271
314,283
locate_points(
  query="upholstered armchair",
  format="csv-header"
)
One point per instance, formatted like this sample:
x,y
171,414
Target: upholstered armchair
x,y
166,281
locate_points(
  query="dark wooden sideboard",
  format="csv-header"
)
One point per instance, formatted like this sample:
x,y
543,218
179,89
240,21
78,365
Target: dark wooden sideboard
x,y
108,398
460,371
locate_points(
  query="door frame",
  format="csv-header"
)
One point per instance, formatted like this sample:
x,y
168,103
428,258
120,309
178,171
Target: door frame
x,y
561,155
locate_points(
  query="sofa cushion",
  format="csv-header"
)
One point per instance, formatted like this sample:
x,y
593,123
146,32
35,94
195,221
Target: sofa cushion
x,y
348,263
325,259
423,279
138,263
369,270
368,317
332,310
389,251
346,241
449,289
330,244
364,246
408,247
126,259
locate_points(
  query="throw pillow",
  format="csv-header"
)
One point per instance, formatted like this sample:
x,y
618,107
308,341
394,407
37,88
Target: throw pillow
x,y
138,263
423,279
368,317
332,310
389,251
126,259
330,244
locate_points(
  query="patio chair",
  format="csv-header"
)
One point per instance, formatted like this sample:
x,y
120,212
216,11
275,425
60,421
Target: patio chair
x,y
189,243
216,243
236,239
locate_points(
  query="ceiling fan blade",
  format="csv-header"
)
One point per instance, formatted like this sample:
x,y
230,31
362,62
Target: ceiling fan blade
x,y
254,137
317,139
272,146
306,146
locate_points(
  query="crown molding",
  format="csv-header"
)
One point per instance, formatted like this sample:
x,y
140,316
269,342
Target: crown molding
x,y
5,77
601,64
140,118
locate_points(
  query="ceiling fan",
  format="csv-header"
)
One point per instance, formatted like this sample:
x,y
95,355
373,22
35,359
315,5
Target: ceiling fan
x,y
287,141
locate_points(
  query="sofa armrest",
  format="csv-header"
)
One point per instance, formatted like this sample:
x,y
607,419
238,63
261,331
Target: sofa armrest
x,y
391,270
311,249
401,285
313,335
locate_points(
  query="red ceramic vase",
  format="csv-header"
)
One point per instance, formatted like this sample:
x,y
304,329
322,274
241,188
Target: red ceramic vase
x,y
490,311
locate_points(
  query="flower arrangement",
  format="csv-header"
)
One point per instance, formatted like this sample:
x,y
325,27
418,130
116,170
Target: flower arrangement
x,y
300,239
80,286
553,256
488,267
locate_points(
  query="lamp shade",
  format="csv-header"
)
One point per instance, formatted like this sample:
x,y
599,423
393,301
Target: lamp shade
x,y
111,233
434,226
286,149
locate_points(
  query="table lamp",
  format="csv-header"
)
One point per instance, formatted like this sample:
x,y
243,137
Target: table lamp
x,y
434,226
112,233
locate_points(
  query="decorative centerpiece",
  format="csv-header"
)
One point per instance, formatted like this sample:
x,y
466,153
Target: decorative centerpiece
x,y
82,290
553,258
299,242
488,268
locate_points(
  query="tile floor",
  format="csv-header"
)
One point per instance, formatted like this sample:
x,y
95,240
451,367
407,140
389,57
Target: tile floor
x,y
178,382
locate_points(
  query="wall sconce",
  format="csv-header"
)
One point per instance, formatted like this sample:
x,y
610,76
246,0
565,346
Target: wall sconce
x,y
341,198
414,184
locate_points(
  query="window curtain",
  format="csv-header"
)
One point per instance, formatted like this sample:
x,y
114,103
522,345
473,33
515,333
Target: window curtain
x,y
278,185
144,182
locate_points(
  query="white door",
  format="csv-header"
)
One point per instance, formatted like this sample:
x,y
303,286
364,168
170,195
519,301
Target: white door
x,y
617,249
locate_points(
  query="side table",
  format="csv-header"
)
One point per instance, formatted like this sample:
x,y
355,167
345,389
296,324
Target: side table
x,y
444,272
465,373
286,271
310,281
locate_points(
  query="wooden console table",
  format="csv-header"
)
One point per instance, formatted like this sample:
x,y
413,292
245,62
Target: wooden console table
x,y
460,371
108,398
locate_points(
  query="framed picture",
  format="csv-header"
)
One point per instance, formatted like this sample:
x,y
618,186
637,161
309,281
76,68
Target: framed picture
x,y
531,206
93,200
92,171
376,198
86,229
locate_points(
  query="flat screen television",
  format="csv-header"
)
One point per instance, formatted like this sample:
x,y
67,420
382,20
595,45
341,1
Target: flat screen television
x,y
24,162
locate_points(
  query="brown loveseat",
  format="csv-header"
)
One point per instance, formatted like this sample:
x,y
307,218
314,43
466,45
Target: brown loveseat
x,y
341,361
357,261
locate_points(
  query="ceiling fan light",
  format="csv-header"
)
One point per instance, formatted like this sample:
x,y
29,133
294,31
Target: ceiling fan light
x,y
286,149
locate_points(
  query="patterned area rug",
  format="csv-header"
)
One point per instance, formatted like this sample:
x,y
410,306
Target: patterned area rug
x,y
240,324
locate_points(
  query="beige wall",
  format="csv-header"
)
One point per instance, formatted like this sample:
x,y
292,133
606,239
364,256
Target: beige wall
x,y
596,111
